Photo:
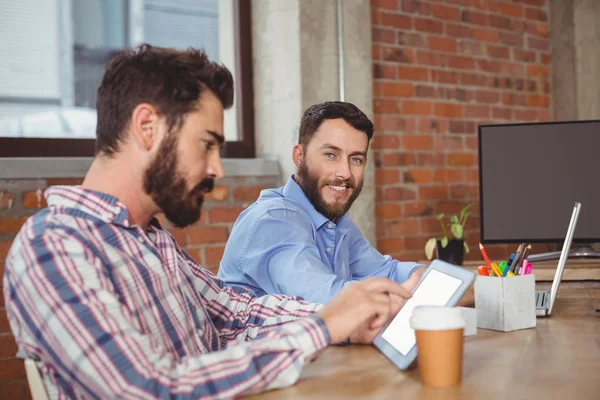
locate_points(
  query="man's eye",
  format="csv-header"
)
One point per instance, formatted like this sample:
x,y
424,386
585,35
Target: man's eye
x,y
357,161
329,155
209,144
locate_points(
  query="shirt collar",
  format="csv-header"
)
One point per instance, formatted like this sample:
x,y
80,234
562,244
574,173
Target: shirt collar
x,y
100,205
293,191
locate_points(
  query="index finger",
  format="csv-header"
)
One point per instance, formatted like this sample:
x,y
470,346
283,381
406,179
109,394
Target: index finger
x,y
382,285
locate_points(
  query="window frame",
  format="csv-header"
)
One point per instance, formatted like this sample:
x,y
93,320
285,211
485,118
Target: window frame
x,y
244,147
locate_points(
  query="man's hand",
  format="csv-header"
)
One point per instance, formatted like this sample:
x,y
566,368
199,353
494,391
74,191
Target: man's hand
x,y
360,310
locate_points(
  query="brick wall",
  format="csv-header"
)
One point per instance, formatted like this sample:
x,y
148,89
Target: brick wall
x,y
205,241
441,68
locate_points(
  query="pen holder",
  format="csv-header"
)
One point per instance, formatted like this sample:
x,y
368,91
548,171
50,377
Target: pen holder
x,y
505,304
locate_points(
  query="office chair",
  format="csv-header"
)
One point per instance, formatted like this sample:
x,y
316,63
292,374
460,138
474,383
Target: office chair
x,y
36,383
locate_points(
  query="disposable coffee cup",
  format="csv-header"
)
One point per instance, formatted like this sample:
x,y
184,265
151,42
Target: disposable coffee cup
x,y
439,335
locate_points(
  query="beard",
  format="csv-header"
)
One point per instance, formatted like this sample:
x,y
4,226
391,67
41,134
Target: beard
x,y
168,188
311,185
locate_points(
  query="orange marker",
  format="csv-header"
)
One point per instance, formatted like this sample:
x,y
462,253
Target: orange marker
x,y
482,270
486,258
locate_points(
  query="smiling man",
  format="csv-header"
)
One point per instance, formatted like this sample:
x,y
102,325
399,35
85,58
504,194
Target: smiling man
x,y
298,240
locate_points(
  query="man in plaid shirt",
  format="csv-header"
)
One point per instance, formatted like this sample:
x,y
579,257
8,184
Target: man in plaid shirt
x,y
107,303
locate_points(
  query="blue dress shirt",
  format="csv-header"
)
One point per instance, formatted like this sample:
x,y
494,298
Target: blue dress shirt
x,y
282,244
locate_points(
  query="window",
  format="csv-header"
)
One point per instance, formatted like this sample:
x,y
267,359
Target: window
x,y
51,70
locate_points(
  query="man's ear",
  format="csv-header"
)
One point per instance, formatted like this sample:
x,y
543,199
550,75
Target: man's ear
x,y
297,154
144,130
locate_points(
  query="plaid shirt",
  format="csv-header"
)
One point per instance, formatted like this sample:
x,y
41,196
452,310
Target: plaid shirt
x,y
110,311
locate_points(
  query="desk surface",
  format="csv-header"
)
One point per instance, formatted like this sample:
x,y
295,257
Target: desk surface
x,y
559,359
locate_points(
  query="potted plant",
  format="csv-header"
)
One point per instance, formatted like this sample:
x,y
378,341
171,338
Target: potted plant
x,y
450,250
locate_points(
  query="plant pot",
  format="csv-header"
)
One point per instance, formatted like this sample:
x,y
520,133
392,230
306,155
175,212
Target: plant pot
x,y
453,253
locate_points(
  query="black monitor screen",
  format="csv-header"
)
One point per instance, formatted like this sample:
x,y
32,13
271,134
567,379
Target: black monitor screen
x,y
530,176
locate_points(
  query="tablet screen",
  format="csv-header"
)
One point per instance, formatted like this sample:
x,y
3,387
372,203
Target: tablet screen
x,y
435,290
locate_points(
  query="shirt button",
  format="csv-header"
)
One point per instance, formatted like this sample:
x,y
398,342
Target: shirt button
x,y
140,239
330,225
328,249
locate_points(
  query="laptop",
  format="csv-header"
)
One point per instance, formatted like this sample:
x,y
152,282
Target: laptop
x,y
544,300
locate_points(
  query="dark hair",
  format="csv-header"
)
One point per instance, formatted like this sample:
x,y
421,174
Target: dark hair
x,y
315,115
171,80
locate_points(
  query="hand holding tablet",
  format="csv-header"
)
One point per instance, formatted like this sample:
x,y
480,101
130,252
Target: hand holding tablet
x,y
442,284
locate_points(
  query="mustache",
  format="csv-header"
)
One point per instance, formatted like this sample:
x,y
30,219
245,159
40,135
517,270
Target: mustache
x,y
205,186
341,182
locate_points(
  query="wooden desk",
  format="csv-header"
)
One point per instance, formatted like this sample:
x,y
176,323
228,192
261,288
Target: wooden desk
x,y
559,359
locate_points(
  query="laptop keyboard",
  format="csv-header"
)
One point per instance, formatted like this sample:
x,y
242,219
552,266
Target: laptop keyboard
x,y
541,298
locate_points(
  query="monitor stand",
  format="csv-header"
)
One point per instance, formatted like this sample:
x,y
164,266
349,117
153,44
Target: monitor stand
x,y
577,252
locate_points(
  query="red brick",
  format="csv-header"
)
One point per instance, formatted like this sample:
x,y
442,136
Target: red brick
x,y
396,89
539,101
451,207
384,71
411,39
525,115
498,52
461,31
402,55
458,126
11,225
448,110
407,226
385,35
14,390
180,236
224,214
536,14
417,142
428,91
415,243
418,176
522,55
209,234
248,193
513,99
472,111
385,106
219,193
399,159
8,346
399,194
388,4
538,71
545,58
214,255
385,142
448,175
446,12
416,107
433,192
429,58
444,76
395,20
472,143
443,44
33,199
486,35
514,39
429,159
475,17
542,30
461,159
11,369
471,176
489,66
417,209
429,225
486,96
468,78
461,62
392,123
413,73
4,248
445,142
501,113
375,52
428,25
513,10
6,200
544,115
387,176
538,43
388,211
499,21
392,245
464,191
416,7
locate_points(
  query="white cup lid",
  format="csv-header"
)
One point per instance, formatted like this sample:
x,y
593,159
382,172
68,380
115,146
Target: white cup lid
x,y
437,318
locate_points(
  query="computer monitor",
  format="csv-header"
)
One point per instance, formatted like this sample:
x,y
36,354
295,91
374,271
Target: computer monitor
x,y
530,175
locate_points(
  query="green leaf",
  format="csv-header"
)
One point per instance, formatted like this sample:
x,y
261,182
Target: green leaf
x,y
430,247
466,246
457,230
444,242
454,219
440,216
464,210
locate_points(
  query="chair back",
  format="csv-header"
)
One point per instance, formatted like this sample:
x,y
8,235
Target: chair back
x,y
36,383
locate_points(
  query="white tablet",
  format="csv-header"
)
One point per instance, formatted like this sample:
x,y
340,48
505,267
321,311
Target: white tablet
x,y
442,284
